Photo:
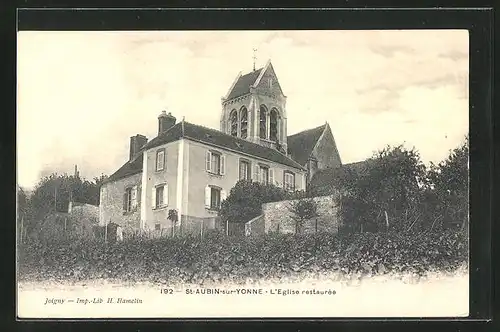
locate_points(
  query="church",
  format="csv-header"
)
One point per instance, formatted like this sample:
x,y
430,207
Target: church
x,y
191,169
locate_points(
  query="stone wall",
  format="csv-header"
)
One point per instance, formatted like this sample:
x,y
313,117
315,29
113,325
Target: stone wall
x,y
256,226
111,203
279,218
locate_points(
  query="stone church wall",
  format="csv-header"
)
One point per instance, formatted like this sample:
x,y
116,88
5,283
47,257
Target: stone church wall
x,y
278,217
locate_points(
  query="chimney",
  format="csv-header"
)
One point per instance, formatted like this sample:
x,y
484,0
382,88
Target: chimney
x,y
165,122
136,143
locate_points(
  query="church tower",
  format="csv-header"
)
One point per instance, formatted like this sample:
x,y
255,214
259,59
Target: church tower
x,y
255,109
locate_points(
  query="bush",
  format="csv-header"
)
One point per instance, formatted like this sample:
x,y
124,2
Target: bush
x,y
303,209
245,200
218,258
395,192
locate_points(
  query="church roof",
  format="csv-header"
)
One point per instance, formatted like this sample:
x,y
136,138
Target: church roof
x,y
301,145
242,85
207,136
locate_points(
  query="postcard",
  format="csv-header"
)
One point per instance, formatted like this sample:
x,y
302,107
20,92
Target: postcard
x,y
242,174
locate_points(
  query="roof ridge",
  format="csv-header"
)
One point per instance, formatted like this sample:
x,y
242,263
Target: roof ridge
x,y
240,139
307,130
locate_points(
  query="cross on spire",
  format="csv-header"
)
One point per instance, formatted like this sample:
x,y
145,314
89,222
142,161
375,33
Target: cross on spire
x,y
254,58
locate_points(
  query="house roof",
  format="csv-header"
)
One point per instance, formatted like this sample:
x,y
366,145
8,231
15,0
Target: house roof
x,y
242,85
127,169
207,136
301,145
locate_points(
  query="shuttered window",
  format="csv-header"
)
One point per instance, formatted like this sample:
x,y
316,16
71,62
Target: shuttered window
x,y
160,160
288,181
160,196
213,197
244,170
127,200
215,163
264,175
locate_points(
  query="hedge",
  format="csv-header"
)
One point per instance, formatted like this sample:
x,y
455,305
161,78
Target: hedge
x,y
218,258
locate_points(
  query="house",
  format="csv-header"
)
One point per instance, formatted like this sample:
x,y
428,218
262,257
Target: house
x,y
191,168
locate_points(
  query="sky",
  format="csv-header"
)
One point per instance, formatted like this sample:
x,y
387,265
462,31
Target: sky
x,y
81,95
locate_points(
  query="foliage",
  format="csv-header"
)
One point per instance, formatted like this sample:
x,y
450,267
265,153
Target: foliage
x,y
219,258
394,190
245,200
22,202
450,187
53,193
173,217
380,196
303,209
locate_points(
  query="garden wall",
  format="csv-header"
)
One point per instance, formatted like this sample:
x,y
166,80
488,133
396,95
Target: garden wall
x,y
278,217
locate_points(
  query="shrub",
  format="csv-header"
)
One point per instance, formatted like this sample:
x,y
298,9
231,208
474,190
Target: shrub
x,y
225,259
245,200
303,209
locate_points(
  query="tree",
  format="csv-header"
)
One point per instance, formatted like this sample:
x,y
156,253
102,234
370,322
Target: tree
x,y
303,209
53,193
381,196
450,187
245,200
173,216
22,202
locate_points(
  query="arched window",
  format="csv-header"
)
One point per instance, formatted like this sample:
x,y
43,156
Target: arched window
x,y
233,119
263,122
273,125
244,122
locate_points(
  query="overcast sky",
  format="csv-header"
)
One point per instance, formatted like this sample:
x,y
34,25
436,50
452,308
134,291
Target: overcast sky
x,y
81,95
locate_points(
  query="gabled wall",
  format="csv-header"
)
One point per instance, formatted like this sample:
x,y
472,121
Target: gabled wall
x,y
111,203
325,153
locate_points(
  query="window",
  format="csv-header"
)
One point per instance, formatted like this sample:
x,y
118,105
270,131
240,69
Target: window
x,y
244,170
215,163
233,118
289,181
160,159
131,198
264,175
273,125
157,227
127,200
160,196
244,122
263,122
213,197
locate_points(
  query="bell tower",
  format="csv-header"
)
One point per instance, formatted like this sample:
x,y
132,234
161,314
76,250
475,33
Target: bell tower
x,y
255,109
